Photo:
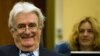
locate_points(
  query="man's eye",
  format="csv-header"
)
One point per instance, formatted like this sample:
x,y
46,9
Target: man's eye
x,y
21,26
32,25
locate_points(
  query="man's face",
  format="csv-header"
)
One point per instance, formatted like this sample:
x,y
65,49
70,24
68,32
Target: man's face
x,y
86,35
27,34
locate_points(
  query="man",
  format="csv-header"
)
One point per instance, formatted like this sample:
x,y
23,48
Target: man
x,y
25,24
62,48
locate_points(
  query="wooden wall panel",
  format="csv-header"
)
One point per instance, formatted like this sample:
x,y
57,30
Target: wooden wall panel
x,y
5,7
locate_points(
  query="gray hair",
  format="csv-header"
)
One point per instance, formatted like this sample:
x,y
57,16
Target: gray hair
x,y
24,7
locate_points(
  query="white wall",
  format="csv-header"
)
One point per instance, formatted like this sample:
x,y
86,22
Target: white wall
x,y
58,18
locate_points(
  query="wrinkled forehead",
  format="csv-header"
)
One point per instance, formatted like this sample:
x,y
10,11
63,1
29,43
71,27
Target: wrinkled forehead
x,y
26,18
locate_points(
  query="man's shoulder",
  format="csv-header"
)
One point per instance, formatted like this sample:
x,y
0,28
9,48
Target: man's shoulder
x,y
8,47
8,50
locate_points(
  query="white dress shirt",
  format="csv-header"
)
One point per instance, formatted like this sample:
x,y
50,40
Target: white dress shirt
x,y
36,53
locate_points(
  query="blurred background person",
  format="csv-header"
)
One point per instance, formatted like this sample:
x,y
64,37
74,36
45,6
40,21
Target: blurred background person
x,y
61,46
85,35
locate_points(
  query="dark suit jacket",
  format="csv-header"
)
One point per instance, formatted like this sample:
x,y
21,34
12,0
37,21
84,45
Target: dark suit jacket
x,y
12,50
63,48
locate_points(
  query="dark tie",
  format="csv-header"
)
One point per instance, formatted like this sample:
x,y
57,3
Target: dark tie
x,y
31,54
28,53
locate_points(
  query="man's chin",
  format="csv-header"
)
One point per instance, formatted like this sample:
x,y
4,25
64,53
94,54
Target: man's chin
x,y
27,47
27,44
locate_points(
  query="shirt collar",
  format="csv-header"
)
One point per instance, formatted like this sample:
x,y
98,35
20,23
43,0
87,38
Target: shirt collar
x,y
36,52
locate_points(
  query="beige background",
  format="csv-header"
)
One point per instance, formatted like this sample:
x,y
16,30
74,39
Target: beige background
x,y
70,11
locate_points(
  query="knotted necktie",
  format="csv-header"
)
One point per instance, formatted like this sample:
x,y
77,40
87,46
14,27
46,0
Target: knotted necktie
x,y
28,53
31,54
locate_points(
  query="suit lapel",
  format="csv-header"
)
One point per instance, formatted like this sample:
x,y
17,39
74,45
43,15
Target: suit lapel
x,y
14,51
43,51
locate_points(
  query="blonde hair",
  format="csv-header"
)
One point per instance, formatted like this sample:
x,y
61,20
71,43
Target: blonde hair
x,y
74,45
24,7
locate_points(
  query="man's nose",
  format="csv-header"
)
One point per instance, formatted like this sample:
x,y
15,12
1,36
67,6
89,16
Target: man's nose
x,y
27,30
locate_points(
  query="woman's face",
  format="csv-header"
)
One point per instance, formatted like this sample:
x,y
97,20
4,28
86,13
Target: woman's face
x,y
86,35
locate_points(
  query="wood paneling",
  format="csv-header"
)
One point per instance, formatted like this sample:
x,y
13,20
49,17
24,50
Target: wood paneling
x,y
5,7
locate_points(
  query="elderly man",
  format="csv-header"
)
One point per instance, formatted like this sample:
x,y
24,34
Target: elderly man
x,y
26,23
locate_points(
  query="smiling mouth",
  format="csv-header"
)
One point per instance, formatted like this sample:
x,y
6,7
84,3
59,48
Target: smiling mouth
x,y
26,37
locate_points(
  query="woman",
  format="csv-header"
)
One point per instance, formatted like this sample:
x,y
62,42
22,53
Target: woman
x,y
86,35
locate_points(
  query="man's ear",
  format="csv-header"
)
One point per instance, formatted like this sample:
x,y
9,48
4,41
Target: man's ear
x,y
12,30
40,31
